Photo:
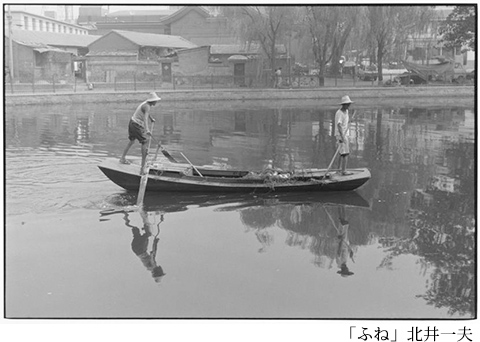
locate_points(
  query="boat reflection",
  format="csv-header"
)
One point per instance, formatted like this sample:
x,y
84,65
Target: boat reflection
x,y
319,222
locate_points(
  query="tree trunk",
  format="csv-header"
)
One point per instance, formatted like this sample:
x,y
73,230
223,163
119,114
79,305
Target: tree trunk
x,y
321,74
380,63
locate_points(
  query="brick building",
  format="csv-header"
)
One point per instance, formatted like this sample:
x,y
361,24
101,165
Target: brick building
x,y
194,23
46,56
126,54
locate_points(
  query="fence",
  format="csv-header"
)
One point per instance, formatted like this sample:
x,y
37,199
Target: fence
x,y
183,82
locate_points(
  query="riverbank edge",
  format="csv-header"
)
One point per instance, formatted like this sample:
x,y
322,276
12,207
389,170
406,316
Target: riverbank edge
x,y
241,94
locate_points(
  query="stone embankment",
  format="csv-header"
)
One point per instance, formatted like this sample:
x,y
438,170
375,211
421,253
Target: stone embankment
x,y
415,93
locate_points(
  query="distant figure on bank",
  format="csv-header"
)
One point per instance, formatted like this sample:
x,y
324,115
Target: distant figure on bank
x,y
278,77
138,128
342,134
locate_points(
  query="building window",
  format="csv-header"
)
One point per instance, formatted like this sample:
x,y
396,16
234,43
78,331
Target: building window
x,y
25,23
65,29
34,24
54,27
70,30
40,25
47,26
38,59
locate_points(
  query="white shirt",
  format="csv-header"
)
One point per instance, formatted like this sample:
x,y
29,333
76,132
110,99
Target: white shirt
x,y
341,118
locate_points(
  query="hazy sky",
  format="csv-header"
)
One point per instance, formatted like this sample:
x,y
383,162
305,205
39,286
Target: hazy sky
x,y
40,9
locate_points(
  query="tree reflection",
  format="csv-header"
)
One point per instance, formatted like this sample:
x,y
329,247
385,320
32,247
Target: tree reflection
x,y
260,219
318,227
442,233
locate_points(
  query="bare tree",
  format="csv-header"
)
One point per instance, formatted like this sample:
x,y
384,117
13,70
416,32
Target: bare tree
x,y
267,25
329,27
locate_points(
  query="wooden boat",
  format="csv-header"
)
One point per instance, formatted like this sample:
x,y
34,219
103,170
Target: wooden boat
x,y
179,177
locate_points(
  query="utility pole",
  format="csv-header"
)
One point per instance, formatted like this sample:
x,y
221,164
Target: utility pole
x,y
10,41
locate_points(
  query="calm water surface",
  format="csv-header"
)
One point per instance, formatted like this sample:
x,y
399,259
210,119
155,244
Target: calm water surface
x,y
411,228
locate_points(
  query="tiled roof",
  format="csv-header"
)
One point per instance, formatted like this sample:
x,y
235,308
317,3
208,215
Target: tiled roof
x,y
35,38
156,40
182,12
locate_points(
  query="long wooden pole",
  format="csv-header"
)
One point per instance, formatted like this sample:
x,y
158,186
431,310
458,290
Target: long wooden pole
x,y
144,179
191,164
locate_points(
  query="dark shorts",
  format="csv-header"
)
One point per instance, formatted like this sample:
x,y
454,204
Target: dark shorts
x,y
344,147
135,131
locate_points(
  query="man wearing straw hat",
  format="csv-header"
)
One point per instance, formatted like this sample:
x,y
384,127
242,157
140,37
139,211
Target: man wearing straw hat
x,y
342,134
138,128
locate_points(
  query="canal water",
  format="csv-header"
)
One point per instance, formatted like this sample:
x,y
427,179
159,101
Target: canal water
x,y
406,239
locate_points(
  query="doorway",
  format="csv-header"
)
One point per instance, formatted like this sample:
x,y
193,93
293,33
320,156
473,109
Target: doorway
x,y
167,72
239,74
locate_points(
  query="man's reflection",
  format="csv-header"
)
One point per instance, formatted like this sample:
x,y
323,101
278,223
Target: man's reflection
x,y
144,244
344,251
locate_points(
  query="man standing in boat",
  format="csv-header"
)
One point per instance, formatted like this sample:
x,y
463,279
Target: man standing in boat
x,y
342,134
138,129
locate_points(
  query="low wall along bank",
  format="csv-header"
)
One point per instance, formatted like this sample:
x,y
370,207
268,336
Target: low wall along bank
x,y
416,92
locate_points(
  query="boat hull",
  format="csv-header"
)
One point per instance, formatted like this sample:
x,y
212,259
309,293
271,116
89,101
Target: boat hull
x,y
220,181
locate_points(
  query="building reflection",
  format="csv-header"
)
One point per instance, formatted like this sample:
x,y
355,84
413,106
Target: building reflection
x,y
82,130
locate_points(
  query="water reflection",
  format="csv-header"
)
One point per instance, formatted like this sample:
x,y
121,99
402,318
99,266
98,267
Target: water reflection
x,y
311,226
344,250
305,217
442,225
421,198
145,243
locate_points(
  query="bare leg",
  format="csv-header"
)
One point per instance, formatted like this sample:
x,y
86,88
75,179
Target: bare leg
x,y
345,161
130,143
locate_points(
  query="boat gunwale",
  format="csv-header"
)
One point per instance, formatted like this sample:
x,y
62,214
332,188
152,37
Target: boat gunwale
x,y
208,182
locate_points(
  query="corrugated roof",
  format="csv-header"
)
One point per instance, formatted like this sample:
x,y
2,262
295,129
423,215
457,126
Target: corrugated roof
x,y
220,49
156,40
232,49
34,38
129,13
50,49
112,53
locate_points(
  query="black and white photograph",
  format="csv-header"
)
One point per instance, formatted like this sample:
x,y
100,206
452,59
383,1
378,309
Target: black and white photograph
x,y
302,162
